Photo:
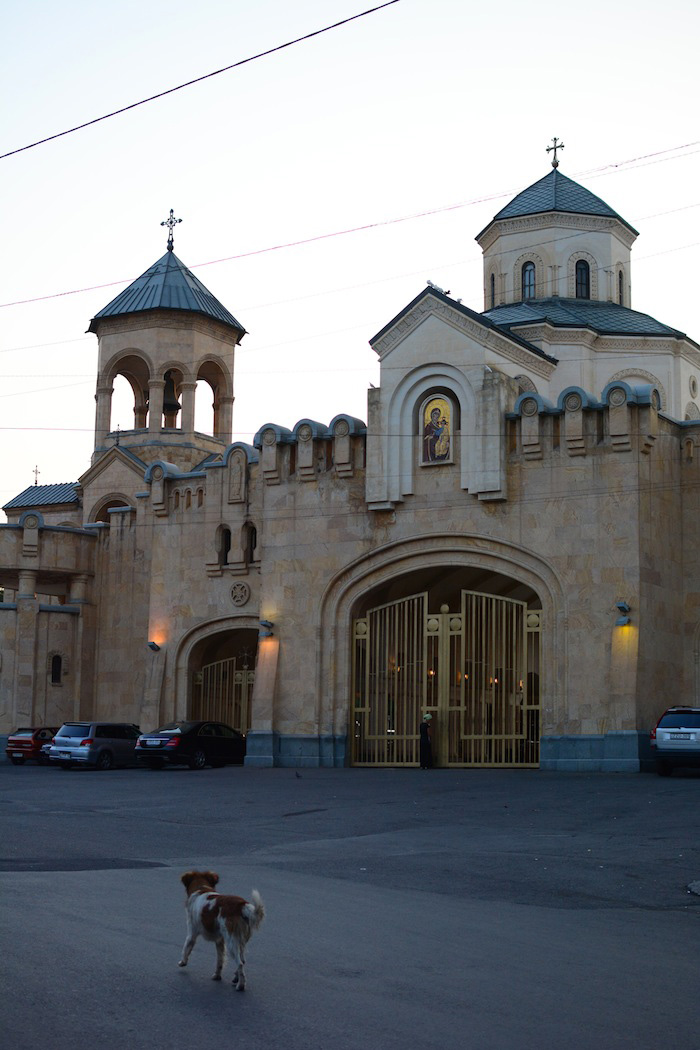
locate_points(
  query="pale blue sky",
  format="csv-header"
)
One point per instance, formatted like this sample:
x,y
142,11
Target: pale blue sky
x,y
414,108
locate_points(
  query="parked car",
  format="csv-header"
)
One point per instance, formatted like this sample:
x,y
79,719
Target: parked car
x,y
676,739
193,744
98,744
28,743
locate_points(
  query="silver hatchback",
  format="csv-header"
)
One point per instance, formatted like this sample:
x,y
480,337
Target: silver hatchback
x,y
676,739
99,744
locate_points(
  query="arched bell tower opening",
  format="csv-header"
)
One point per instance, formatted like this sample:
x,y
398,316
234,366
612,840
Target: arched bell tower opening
x,y
459,643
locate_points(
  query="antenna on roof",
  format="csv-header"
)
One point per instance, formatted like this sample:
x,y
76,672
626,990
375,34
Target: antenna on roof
x,y
557,145
171,223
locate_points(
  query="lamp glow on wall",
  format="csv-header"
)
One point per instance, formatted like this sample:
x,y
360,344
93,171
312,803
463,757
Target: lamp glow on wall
x,y
265,629
624,618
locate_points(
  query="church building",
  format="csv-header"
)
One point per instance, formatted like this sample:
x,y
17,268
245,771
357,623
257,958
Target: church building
x,y
509,542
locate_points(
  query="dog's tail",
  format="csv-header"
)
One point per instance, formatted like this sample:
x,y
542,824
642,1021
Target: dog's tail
x,y
254,911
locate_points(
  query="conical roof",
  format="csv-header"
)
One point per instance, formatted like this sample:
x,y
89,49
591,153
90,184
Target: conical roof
x,y
556,192
167,285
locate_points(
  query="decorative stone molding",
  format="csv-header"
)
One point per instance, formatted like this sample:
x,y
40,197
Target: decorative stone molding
x,y
240,593
649,377
563,220
540,290
692,411
571,273
471,327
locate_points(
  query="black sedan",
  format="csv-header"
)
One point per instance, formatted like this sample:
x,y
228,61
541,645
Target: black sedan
x,y
193,744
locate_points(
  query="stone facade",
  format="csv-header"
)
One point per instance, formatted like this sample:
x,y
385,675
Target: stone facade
x,y
562,477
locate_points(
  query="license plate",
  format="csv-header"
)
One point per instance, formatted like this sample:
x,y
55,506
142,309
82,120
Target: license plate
x,y
680,736
153,743
64,754
17,754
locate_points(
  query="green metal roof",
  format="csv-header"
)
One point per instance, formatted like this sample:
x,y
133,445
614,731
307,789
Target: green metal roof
x,y
168,285
45,496
556,192
604,317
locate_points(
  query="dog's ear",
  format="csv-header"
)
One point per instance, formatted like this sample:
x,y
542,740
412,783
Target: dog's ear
x,y
186,879
212,877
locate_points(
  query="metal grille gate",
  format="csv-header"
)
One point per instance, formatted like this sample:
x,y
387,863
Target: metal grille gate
x,y
222,692
476,671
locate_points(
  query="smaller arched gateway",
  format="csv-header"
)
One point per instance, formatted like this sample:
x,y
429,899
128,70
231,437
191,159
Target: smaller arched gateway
x,y
472,662
220,675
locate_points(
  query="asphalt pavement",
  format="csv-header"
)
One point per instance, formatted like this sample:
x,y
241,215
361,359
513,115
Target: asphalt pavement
x,y
405,908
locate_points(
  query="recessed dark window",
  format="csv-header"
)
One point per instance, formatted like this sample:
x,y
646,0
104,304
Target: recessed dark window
x,y
528,281
583,280
620,288
493,290
56,670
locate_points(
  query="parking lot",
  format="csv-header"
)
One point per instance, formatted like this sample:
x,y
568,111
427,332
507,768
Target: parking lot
x,y
485,909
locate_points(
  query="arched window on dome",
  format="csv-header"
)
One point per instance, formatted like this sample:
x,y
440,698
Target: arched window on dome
x,y
620,288
493,291
583,280
528,281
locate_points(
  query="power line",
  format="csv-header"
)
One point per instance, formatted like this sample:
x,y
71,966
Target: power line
x,y
606,169
198,80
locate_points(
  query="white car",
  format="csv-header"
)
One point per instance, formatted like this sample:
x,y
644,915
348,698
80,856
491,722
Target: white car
x,y
676,739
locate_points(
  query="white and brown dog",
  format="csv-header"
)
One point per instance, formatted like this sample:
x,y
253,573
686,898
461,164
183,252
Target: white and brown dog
x,y
227,920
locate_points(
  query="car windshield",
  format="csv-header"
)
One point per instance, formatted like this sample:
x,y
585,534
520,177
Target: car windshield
x,y
681,720
74,729
175,727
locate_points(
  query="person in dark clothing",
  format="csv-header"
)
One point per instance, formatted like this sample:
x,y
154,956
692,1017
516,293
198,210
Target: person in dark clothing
x,y
426,742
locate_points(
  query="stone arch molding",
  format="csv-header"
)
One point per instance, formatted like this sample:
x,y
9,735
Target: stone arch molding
x,y
399,437
648,377
539,275
571,273
394,560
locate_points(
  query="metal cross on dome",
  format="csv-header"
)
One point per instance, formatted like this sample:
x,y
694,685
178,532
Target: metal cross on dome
x,y
557,145
171,223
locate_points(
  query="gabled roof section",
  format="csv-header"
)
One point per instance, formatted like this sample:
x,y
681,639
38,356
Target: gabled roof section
x,y
167,285
481,319
603,317
45,496
556,192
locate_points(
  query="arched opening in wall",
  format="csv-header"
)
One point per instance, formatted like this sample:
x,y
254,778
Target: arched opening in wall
x,y
583,280
527,281
204,408
461,644
221,674
122,417
223,544
129,406
100,511
250,542
172,399
221,394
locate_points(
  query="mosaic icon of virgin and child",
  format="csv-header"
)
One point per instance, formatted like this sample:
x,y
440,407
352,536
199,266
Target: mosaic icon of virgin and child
x,y
436,431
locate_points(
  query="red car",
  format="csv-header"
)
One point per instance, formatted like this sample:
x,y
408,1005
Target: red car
x,y
27,743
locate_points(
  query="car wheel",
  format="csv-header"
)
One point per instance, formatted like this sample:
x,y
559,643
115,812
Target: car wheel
x,y
17,761
198,760
663,768
104,760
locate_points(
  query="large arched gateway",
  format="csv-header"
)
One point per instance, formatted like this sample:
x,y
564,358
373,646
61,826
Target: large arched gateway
x,y
462,645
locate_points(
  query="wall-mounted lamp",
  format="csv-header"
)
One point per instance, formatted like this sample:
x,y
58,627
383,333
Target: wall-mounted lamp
x,y
624,619
154,646
266,629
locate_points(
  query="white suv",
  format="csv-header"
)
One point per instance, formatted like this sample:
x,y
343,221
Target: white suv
x,y
676,739
99,744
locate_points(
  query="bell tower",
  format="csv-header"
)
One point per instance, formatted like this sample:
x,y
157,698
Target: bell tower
x,y
165,333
